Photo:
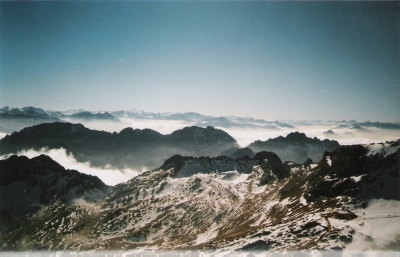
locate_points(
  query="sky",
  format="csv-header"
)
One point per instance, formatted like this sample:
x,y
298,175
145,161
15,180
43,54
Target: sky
x,y
270,60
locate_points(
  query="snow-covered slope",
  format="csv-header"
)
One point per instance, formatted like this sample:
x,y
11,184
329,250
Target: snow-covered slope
x,y
222,205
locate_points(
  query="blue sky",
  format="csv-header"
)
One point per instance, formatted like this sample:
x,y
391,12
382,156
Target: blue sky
x,y
271,60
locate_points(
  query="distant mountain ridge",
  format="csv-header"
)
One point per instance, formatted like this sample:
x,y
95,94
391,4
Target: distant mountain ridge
x,y
296,147
130,148
14,119
158,116
116,116
235,152
93,116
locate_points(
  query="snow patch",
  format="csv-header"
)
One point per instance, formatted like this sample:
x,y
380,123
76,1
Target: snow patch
x,y
357,178
205,237
285,201
294,169
328,160
302,200
234,177
382,148
271,204
376,227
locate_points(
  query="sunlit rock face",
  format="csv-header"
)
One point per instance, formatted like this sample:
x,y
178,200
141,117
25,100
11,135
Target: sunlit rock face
x,y
231,205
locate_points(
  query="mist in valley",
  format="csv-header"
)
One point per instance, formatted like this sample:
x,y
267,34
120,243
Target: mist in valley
x,y
252,132
109,175
244,136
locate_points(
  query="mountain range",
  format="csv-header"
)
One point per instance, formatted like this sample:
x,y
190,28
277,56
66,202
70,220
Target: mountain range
x,y
212,205
201,191
130,148
295,147
15,119
32,116
135,148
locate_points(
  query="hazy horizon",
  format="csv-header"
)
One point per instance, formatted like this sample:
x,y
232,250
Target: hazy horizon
x,y
95,111
269,60
244,132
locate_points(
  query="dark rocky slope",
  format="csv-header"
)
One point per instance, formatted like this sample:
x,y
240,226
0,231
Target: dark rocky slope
x,y
26,184
295,147
236,152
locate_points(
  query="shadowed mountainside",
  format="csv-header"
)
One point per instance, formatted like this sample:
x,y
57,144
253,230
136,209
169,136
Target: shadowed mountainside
x,y
295,147
130,148
26,184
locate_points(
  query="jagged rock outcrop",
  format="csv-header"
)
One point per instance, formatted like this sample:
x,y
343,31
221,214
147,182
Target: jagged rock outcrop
x,y
358,171
26,184
188,166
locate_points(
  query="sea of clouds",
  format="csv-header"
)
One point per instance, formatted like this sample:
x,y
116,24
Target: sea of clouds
x,y
110,176
244,136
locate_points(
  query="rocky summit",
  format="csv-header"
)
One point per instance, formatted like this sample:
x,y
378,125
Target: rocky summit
x,y
295,147
26,185
225,205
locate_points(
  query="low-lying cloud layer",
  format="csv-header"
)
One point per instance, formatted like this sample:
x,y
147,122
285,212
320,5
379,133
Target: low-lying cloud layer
x,y
110,176
243,135
246,135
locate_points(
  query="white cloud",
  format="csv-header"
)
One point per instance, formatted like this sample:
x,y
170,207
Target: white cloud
x,y
108,175
2,135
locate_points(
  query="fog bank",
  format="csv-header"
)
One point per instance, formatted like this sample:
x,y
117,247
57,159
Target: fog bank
x,y
110,176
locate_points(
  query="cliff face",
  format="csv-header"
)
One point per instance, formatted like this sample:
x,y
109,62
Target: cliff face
x,y
26,184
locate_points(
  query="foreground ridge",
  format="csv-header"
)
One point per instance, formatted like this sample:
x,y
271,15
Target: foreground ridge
x,y
222,204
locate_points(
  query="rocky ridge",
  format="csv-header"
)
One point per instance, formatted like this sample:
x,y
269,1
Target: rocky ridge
x,y
130,148
26,185
295,147
226,205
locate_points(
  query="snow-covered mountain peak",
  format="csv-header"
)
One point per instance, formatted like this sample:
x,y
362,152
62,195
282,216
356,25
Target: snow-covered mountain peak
x,y
383,149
